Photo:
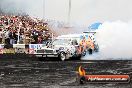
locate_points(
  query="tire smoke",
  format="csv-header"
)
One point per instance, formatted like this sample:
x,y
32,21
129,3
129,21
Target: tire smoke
x,y
114,39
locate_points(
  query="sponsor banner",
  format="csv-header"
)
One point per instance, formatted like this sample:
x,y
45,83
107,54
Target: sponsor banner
x,y
1,48
31,51
19,45
20,50
115,78
13,51
34,47
9,51
107,78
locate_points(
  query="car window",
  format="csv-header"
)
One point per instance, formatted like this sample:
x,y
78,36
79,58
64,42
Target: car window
x,y
61,42
74,42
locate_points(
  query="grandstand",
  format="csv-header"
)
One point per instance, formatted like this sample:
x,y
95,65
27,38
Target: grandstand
x,y
23,30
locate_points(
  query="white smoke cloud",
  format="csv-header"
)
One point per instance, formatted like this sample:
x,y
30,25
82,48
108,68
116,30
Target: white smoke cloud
x,y
83,12
114,39
12,6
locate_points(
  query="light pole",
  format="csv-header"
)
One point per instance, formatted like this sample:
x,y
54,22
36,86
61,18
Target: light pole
x,y
43,9
69,12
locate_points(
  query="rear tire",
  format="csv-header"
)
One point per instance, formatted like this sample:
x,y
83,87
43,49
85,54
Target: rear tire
x,y
96,48
90,51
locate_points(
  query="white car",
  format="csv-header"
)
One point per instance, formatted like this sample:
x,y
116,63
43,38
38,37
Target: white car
x,y
63,48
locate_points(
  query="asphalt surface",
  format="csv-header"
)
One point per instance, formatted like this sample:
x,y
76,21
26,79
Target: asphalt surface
x,y
29,73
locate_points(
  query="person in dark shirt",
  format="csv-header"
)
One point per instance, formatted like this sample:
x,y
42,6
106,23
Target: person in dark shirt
x,y
13,37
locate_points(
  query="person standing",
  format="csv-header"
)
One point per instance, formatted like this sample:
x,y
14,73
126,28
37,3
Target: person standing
x,y
1,36
7,38
12,37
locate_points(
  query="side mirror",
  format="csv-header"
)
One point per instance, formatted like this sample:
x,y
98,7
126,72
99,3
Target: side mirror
x,y
47,43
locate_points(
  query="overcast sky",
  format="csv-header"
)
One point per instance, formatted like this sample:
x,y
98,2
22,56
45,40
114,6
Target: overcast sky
x,y
83,11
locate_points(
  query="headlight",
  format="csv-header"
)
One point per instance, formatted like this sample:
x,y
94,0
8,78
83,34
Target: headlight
x,y
57,51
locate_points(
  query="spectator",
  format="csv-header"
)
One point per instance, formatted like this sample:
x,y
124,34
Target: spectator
x,y
7,38
13,37
22,38
31,28
1,36
39,40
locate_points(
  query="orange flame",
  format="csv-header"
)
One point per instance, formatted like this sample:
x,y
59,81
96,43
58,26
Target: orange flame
x,y
81,71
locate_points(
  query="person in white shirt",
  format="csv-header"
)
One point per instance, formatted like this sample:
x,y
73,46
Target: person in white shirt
x,y
7,38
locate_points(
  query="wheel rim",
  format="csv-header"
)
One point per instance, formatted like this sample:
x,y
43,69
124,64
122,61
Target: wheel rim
x,y
62,56
84,53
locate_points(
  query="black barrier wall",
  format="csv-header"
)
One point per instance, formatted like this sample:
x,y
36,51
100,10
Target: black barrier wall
x,y
17,52
17,56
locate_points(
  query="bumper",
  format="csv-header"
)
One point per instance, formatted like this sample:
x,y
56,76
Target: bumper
x,y
46,55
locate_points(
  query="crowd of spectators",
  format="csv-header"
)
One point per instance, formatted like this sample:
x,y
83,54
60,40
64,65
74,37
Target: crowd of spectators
x,y
23,30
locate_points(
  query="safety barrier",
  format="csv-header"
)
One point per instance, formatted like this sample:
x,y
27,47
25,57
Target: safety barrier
x,y
20,48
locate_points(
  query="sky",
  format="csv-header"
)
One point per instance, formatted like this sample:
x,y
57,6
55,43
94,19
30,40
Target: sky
x,y
82,11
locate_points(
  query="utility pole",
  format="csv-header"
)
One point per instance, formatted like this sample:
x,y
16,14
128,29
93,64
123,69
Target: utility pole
x,y
43,9
69,12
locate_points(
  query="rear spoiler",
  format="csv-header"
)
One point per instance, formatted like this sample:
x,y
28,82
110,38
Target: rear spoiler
x,y
88,32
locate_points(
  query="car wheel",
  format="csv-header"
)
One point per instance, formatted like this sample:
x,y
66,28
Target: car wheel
x,y
90,51
84,53
62,56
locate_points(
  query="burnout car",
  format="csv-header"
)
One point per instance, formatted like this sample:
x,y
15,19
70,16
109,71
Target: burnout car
x,y
63,48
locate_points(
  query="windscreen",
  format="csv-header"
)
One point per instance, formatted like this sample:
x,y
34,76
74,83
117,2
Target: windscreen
x,y
61,42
